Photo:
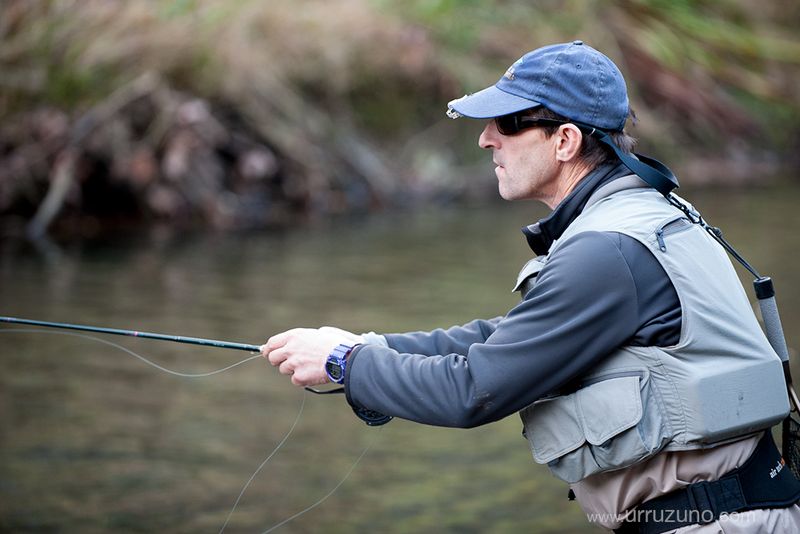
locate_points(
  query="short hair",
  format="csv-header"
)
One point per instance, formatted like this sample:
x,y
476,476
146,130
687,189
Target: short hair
x,y
593,153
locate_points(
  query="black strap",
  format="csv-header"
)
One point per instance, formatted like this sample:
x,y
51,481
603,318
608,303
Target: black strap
x,y
663,180
763,481
370,417
648,169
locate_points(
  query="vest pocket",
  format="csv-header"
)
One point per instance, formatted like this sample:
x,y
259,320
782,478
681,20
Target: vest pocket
x,y
604,426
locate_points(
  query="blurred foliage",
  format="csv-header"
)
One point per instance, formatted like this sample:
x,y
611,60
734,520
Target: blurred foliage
x,y
355,52
356,88
345,56
711,69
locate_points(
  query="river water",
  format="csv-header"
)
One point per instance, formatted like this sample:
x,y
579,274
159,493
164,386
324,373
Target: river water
x,y
94,440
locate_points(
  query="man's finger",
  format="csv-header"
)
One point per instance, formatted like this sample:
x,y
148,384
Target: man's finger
x,y
277,341
278,356
286,368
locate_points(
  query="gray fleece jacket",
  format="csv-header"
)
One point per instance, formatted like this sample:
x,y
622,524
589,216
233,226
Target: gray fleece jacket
x,y
598,292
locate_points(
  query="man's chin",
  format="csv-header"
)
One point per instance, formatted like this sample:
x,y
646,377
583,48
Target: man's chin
x,y
506,195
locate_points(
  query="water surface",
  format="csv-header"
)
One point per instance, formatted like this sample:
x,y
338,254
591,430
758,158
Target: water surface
x,y
93,440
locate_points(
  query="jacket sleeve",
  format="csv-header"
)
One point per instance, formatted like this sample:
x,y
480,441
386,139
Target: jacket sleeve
x,y
582,308
456,339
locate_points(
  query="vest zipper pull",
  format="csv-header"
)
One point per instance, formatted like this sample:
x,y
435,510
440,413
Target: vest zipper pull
x,y
660,237
571,495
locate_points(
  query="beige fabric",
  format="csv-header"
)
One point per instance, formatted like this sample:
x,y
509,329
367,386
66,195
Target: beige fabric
x,y
605,497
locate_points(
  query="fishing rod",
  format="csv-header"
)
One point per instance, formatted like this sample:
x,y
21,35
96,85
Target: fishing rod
x,y
363,414
370,417
136,333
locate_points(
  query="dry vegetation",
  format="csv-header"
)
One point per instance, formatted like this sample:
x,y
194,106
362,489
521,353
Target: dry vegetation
x,y
245,113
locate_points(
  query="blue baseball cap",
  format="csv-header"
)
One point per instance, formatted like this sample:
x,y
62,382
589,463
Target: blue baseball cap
x,y
571,79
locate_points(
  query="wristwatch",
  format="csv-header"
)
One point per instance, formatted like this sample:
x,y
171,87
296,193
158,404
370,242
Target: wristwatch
x,y
336,363
335,367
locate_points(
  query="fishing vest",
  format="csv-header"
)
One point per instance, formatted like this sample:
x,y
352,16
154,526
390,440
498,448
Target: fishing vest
x,y
722,381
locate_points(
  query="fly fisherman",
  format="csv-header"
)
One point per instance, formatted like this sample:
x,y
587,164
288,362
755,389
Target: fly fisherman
x,y
634,359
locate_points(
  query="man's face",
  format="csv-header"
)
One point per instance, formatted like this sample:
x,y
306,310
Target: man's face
x,y
526,163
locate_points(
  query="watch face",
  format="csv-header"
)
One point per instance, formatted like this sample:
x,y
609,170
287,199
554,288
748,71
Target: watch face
x,y
334,371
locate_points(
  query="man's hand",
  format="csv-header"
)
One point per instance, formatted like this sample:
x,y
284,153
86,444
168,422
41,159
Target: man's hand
x,y
301,352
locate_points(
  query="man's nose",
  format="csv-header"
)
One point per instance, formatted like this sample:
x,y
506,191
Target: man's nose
x,y
489,136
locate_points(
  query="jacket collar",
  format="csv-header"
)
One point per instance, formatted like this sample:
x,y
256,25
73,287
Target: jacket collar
x,y
541,235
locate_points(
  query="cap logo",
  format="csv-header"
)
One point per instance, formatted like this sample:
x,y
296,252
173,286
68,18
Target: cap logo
x,y
510,72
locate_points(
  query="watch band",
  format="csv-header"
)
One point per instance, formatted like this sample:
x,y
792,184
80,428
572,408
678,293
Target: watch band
x,y
336,364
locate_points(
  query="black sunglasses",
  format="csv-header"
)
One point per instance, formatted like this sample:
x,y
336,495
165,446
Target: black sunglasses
x,y
516,122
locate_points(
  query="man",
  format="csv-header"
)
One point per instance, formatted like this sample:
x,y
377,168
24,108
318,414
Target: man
x,y
633,358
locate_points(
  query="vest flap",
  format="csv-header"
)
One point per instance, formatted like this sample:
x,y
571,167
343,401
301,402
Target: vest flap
x,y
553,428
609,407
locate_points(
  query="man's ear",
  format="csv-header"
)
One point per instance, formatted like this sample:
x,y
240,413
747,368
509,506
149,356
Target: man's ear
x,y
568,142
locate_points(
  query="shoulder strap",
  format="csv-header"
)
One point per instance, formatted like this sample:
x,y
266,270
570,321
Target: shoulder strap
x,y
652,171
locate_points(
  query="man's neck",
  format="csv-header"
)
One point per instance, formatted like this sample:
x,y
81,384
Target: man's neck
x,y
570,176
541,234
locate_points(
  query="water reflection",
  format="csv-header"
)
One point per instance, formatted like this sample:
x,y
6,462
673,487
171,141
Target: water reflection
x,y
92,440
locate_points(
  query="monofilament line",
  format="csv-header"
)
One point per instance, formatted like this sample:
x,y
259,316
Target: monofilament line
x,y
210,373
267,459
323,499
132,353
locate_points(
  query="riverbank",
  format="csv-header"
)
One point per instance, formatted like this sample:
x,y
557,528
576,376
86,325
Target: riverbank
x,y
238,116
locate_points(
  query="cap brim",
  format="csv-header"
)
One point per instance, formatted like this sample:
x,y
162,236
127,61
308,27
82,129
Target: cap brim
x,y
489,103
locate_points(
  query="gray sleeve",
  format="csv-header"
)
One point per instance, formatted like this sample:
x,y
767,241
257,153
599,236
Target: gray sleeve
x,y
456,339
583,307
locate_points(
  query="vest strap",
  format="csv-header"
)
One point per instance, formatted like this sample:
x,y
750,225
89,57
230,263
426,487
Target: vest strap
x,y
764,481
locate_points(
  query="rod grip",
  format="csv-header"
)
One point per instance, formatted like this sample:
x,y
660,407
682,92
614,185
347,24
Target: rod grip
x,y
772,320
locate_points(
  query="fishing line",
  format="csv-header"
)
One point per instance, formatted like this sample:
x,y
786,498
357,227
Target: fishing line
x,y
132,353
331,492
211,373
267,459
